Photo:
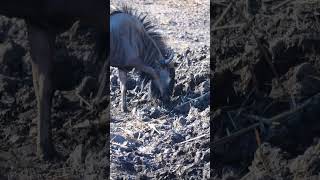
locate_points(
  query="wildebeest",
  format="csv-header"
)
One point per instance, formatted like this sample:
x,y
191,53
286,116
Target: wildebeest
x,y
134,43
45,19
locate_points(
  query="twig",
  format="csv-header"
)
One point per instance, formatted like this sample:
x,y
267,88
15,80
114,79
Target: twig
x,y
217,3
228,132
234,135
120,145
290,112
232,121
249,174
113,8
180,65
276,118
192,139
152,126
222,15
284,114
268,106
314,77
257,136
85,101
282,4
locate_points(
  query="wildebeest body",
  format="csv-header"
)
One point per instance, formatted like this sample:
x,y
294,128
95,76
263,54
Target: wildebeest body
x,y
126,41
45,19
135,44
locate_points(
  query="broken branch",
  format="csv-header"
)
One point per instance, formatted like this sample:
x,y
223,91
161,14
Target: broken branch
x,y
222,15
192,139
276,118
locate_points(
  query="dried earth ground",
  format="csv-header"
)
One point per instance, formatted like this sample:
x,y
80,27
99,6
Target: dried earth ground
x,y
154,142
265,89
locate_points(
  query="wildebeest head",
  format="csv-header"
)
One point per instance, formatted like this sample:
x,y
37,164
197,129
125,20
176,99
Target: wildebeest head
x,y
167,80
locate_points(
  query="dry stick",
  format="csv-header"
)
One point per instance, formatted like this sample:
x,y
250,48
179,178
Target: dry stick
x,y
314,77
113,8
282,4
120,145
192,139
257,136
247,175
152,126
266,120
85,101
232,121
222,15
180,65
306,2
234,135
287,113
217,3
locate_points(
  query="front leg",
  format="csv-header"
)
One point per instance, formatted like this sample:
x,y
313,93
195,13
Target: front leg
x,y
41,44
123,87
